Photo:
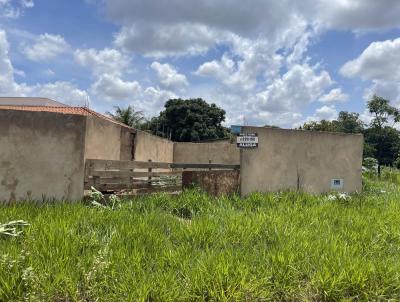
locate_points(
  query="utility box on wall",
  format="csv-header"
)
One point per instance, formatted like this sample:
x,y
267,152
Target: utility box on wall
x,y
310,161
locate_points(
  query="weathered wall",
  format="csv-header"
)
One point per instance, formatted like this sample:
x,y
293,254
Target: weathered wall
x,y
199,153
305,160
127,138
41,155
103,139
148,146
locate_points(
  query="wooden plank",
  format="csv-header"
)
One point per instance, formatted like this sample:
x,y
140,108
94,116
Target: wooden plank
x,y
110,187
205,166
127,173
159,189
102,164
132,186
127,181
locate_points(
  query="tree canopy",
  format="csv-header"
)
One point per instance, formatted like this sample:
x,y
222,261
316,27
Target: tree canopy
x,y
347,122
189,120
127,116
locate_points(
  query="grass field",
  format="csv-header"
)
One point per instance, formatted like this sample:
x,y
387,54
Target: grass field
x,y
276,247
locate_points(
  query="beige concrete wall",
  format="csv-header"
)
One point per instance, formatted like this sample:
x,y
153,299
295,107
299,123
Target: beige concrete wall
x,y
41,155
305,160
103,139
148,146
218,153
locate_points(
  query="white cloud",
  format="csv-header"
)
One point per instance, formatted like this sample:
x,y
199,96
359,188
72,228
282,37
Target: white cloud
x,y
12,9
112,88
378,63
48,72
62,91
168,76
326,113
241,69
298,87
65,92
110,61
335,95
46,47
175,27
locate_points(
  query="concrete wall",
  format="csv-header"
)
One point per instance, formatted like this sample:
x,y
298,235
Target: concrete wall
x,y
305,160
148,146
103,139
41,154
219,153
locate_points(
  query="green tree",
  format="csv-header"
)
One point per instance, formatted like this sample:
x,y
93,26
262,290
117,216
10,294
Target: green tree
x,y
349,122
127,116
381,135
189,121
322,125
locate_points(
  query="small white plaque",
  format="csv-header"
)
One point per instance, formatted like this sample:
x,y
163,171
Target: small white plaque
x,y
337,183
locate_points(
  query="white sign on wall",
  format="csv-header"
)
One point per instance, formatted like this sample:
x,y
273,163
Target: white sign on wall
x,y
247,140
337,183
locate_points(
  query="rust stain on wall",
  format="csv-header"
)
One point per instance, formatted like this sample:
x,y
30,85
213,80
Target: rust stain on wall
x,y
9,181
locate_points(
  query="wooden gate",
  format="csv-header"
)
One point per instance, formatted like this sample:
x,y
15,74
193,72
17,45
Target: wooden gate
x,y
140,176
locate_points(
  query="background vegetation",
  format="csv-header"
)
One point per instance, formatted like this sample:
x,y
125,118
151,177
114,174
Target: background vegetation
x,y
274,247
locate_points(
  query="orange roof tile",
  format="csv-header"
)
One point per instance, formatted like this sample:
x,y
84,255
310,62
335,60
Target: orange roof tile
x,y
65,110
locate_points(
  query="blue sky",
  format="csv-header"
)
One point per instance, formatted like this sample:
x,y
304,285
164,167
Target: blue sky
x,y
265,62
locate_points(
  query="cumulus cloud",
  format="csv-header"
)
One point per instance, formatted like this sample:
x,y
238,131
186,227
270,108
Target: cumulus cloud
x,y
168,76
65,92
241,68
45,47
298,87
176,27
110,61
326,113
378,63
335,95
112,88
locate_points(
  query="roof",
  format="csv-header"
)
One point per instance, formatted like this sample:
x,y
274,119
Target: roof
x,y
64,110
29,101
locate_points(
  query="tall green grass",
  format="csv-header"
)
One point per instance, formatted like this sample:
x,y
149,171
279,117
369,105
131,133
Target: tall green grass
x,y
267,247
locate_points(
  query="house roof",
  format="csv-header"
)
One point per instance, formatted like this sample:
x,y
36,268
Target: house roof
x,y
29,101
64,110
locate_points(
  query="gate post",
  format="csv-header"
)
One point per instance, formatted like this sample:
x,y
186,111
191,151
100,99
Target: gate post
x,y
150,169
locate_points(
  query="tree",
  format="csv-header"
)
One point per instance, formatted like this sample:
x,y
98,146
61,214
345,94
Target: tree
x,y
127,116
347,122
189,121
322,125
381,135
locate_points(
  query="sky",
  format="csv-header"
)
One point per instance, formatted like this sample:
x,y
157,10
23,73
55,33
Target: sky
x,y
265,62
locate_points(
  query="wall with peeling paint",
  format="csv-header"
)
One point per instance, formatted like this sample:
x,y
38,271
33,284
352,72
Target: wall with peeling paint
x,y
41,155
